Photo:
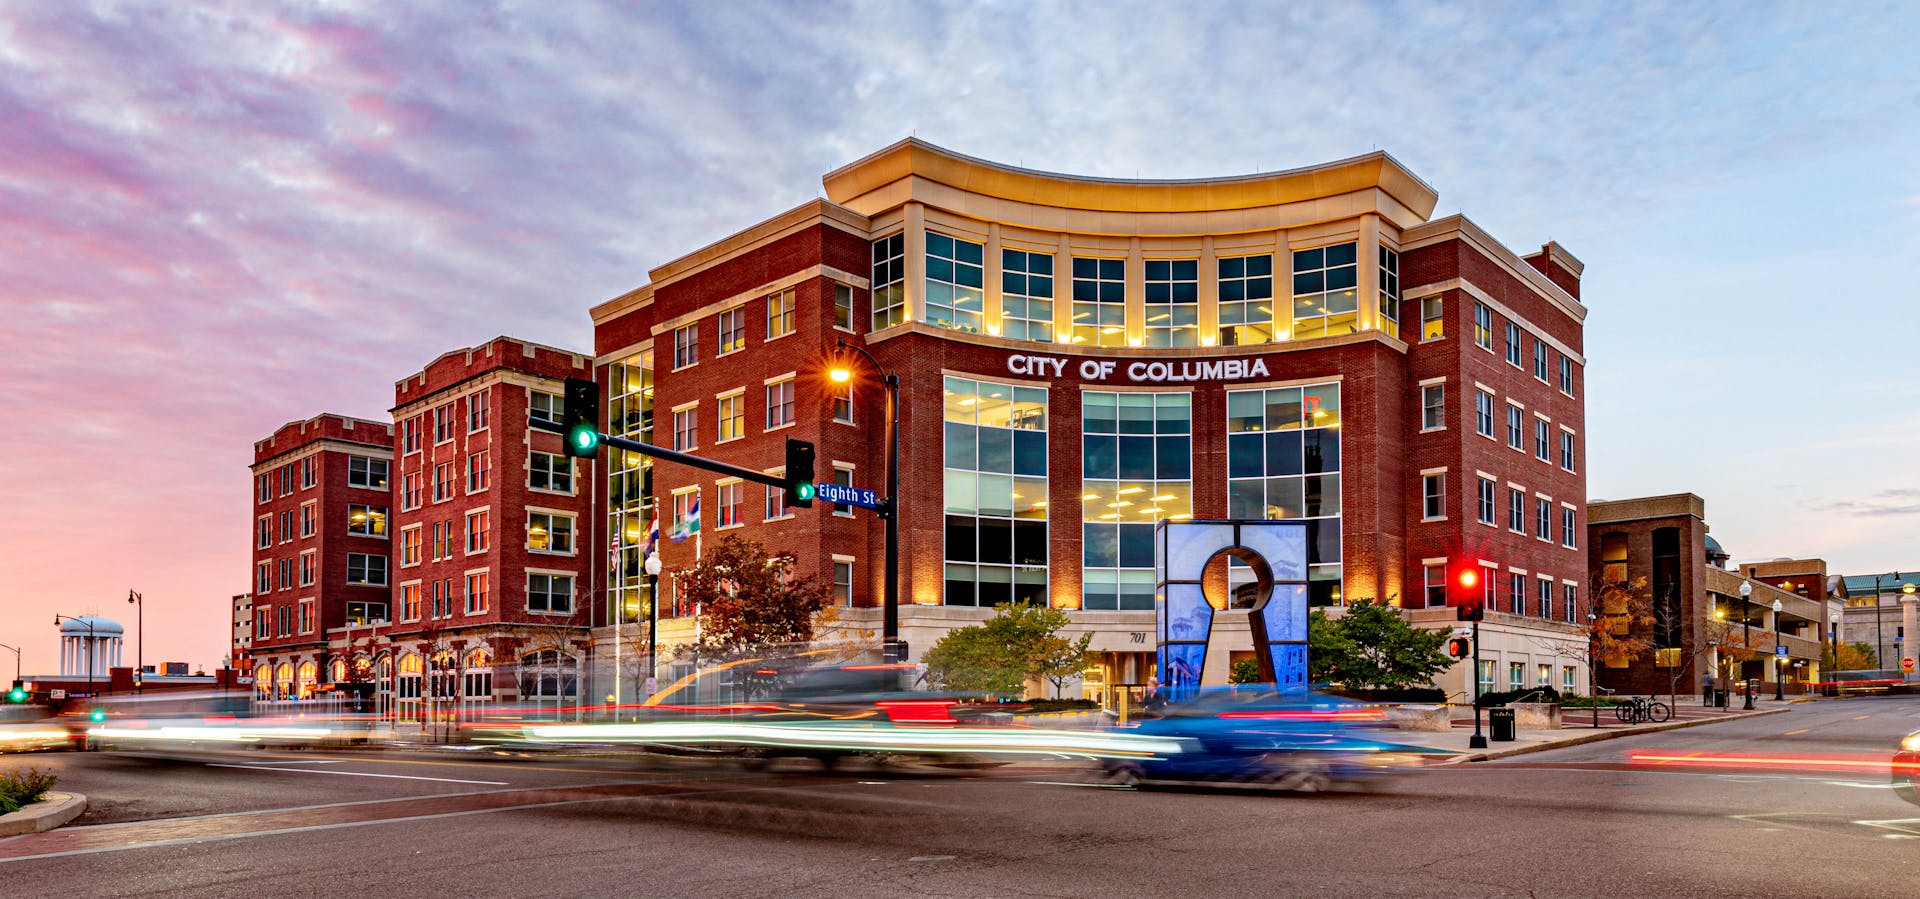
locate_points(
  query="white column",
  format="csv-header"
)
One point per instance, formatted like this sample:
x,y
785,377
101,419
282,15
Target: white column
x,y
63,655
1909,621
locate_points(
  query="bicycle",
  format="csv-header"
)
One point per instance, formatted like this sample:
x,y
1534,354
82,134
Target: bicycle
x,y
1642,709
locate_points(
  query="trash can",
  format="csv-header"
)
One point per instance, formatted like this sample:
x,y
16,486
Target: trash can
x,y
1500,724
1720,699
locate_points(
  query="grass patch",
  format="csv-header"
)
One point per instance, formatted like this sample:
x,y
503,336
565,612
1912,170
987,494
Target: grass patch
x,y
24,786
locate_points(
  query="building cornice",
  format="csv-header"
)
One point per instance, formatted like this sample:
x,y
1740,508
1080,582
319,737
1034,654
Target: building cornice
x,y
1459,227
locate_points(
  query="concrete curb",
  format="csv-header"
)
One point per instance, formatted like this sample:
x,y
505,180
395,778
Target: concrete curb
x,y
47,814
1599,735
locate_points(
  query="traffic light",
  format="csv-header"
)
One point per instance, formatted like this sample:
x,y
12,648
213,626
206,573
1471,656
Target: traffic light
x,y
580,413
800,488
18,694
1459,647
1468,595
97,715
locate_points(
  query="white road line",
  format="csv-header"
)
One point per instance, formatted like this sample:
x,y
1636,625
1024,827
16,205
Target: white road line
x,y
444,780
293,762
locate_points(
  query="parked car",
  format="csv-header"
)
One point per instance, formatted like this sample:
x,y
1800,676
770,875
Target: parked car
x,y
1260,736
1906,768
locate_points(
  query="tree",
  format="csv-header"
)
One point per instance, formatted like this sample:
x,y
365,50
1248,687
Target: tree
x,y
750,599
1848,657
999,655
1244,671
1372,646
1619,631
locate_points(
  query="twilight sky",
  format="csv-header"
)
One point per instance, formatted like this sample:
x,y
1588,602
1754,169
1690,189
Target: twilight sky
x,y
219,217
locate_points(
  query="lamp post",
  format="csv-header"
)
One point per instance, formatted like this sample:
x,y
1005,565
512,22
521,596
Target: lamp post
x,y
1746,637
1907,641
140,642
1879,639
1593,667
1779,671
891,649
16,660
653,617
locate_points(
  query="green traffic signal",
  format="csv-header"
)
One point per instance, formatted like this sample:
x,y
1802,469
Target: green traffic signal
x,y
580,413
17,695
97,715
584,440
805,492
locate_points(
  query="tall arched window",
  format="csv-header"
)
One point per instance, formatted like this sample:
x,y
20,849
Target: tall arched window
x,y
549,674
477,674
283,680
408,682
263,680
309,678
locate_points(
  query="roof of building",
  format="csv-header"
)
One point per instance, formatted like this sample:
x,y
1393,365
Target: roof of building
x,y
1885,582
1713,547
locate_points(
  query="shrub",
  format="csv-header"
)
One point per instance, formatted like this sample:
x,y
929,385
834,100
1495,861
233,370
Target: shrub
x,y
23,786
1044,706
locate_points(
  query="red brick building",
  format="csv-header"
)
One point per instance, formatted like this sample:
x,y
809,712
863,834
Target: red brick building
x,y
493,536
321,532
1081,358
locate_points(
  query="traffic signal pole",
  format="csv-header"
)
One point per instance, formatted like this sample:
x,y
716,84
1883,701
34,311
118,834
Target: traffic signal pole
x,y
661,452
1479,740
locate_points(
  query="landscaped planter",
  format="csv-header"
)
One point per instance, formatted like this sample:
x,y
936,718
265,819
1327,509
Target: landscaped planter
x,y
1421,717
1535,715
47,814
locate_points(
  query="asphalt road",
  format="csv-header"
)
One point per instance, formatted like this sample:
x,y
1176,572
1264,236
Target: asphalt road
x,y
1781,805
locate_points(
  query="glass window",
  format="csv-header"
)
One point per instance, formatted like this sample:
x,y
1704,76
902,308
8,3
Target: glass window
x,y
686,427
780,314
1566,375
1026,295
732,507
686,345
1482,326
843,477
1486,501
477,593
549,593
733,417
1566,529
1566,678
1283,463
1517,511
365,472
1516,675
367,568
1545,610
1514,436
545,407
1433,325
410,546
1542,519
780,403
478,405
1566,450
776,506
479,468
1433,489
843,403
1436,585
731,331
1099,301
1483,413
1325,299
1390,291
956,283
1517,594
1246,299
889,281
1569,596
366,521
1173,302
550,471
842,583
548,532
995,493
843,307
1542,447
1513,344
1540,359
1433,407
479,532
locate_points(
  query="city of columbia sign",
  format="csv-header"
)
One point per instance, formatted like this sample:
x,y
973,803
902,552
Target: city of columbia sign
x,y
1141,372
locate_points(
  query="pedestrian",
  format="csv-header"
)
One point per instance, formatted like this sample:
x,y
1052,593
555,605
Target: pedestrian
x,y
1153,702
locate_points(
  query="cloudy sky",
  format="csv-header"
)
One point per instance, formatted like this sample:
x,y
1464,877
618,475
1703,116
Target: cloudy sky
x,y
219,217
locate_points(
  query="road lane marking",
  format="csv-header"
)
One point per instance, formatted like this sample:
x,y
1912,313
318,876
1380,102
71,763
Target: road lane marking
x,y
444,780
1859,717
1792,732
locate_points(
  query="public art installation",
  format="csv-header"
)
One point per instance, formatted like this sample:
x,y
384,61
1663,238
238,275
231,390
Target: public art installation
x,y
1276,554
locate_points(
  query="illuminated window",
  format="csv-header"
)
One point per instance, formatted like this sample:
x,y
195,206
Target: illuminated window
x,y
1325,299
550,532
479,470
1246,299
479,535
995,493
732,417
776,506
842,476
1482,326
477,593
477,407
1099,301
1433,325
1173,302
1390,292
306,568
889,282
410,602
731,331
1283,463
729,505
780,314
843,403
955,284
410,546
1026,295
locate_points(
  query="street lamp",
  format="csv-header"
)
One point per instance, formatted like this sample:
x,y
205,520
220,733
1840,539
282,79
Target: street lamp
x,y
1779,671
1746,638
93,645
140,642
891,649
16,660
1593,667
653,616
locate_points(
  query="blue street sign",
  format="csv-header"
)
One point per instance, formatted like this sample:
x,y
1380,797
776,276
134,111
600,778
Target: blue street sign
x,y
843,495
1780,651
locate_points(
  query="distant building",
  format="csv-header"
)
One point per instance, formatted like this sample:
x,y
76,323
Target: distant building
x,y
1702,622
1879,613
320,544
89,646
240,656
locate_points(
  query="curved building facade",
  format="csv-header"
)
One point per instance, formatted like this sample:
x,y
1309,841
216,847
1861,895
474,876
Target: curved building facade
x,y
1080,359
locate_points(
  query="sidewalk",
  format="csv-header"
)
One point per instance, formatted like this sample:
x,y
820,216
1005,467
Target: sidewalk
x,y
1576,727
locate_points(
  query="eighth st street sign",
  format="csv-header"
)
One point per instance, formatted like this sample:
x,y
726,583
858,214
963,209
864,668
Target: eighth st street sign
x,y
848,496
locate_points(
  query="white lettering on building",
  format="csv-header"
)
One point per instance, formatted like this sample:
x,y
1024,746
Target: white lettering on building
x,y
1142,372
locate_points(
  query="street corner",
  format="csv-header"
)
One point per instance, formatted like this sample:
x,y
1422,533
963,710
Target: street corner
x,y
57,809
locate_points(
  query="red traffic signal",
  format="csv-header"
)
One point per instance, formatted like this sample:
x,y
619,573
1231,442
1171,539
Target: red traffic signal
x,y
1459,647
1468,596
